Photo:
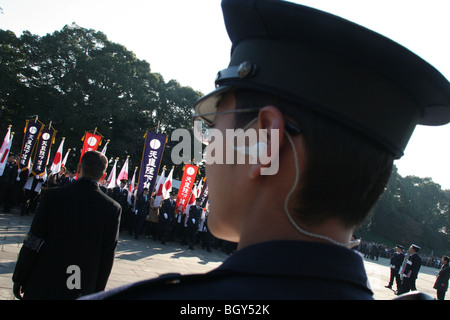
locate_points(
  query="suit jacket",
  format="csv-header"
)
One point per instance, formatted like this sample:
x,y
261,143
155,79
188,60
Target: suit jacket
x,y
121,196
143,205
73,226
397,260
194,213
442,278
169,209
413,266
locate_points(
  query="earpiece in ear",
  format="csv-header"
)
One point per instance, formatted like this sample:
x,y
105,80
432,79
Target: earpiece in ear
x,y
254,151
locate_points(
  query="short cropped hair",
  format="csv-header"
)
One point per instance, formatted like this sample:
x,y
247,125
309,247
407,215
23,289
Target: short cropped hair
x,y
93,165
345,173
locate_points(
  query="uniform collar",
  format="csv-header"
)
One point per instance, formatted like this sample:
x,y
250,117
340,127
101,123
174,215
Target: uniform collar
x,y
299,258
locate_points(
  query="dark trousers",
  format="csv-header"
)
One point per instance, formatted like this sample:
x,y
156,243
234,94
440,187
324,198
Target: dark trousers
x,y
163,230
394,275
191,234
407,285
440,294
138,224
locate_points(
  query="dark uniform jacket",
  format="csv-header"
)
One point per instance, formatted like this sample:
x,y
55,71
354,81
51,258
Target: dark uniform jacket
x,y
168,208
397,260
143,205
121,196
195,214
74,226
269,270
442,278
413,266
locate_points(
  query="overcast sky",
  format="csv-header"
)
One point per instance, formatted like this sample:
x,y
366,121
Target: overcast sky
x,y
186,40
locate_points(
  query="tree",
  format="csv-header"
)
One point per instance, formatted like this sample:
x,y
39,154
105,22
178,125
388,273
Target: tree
x,y
412,210
79,80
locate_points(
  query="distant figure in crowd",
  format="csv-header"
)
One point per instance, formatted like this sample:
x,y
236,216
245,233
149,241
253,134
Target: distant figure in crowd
x,y
69,250
120,194
395,264
441,284
141,212
411,270
7,181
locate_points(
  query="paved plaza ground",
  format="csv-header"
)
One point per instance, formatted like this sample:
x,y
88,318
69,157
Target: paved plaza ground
x,y
144,258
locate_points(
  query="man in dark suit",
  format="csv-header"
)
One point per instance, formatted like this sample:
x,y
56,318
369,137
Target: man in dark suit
x,y
69,250
411,270
166,215
142,210
195,213
7,182
396,263
120,194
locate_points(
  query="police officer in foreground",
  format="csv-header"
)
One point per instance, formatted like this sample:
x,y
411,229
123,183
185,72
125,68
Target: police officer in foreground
x,y
344,102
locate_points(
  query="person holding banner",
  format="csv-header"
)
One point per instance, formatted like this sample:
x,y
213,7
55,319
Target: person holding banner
x,y
69,249
331,105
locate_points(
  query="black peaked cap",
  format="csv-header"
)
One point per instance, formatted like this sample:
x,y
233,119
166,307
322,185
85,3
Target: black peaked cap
x,y
333,66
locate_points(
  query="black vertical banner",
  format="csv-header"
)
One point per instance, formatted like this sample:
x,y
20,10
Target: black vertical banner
x,y
31,134
44,144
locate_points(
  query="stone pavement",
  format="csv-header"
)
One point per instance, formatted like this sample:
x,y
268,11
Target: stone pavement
x,y
144,258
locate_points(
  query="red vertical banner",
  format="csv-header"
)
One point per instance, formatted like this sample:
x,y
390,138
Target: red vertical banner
x,y
91,142
187,182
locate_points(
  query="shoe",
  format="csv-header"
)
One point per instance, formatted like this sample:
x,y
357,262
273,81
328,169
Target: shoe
x,y
389,287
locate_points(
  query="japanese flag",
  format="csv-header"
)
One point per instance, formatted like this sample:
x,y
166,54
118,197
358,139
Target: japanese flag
x,y
111,181
167,186
159,189
131,186
56,165
5,153
123,174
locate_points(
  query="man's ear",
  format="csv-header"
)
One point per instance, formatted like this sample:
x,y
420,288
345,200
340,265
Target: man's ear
x,y
270,122
103,176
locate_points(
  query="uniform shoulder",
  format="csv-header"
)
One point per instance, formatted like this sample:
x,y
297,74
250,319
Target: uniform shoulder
x,y
167,287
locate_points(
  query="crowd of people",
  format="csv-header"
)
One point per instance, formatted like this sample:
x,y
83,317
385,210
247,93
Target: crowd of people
x,y
374,251
140,217
147,217
405,265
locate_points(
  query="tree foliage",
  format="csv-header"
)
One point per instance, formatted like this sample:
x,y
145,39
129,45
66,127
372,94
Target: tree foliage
x,y
412,210
79,80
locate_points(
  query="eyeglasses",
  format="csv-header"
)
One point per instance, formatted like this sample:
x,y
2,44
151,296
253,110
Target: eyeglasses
x,y
203,122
